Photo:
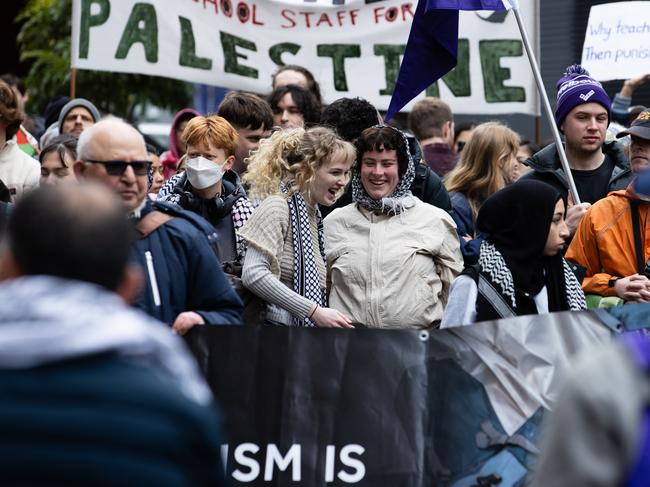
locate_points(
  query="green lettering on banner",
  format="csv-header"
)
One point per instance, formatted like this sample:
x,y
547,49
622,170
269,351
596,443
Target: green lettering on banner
x,y
494,75
89,20
458,79
276,51
142,27
231,56
392,54
188,55
338,53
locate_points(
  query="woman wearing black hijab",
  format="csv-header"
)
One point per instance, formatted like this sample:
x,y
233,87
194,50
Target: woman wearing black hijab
x,y
520,269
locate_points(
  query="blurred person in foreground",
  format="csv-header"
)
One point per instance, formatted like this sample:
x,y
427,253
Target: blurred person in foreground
x,y
598,433
93,391
185,285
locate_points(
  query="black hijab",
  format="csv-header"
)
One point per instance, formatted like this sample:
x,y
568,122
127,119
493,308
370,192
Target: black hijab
x,y
516,220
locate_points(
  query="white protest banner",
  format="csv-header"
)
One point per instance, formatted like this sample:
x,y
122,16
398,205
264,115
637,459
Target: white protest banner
x,y
617,40
353,47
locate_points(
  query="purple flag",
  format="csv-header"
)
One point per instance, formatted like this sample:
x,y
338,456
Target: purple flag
x,y
432,47
466,5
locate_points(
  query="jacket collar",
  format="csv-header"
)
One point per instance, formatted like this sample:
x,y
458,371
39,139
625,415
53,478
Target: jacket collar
x,y
547,160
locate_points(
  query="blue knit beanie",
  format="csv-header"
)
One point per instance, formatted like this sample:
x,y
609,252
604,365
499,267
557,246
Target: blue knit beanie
x,y
575,88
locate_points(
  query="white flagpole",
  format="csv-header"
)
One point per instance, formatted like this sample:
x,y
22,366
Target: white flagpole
x,y
545,103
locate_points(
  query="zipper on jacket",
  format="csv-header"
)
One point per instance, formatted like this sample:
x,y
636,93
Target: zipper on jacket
x,y
152,278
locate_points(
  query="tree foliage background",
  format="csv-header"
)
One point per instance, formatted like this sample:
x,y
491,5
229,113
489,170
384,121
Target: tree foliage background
x,y
44,41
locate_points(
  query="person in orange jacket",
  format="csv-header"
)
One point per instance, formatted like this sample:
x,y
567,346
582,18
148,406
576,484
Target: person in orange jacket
x,y
605,243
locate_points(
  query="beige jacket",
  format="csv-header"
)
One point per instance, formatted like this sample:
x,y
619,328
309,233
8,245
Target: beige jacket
x,y
391,271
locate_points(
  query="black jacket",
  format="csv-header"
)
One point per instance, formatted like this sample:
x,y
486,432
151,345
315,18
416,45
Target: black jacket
x,y
547,167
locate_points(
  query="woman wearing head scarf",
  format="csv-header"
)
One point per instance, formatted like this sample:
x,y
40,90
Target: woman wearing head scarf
x,y
294,171
391,257
520,270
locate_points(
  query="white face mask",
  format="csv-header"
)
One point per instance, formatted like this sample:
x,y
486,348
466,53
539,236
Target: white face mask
x,y
203,173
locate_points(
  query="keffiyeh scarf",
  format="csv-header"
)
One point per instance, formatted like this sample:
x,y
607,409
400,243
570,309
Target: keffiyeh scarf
x,y
306,278
399,200
494,267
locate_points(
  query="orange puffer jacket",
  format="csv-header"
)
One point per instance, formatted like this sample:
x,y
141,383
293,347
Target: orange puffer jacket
x,y
604,242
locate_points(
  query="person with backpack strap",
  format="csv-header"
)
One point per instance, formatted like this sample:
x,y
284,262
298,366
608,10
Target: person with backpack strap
x,y
612,242
184,284
520,269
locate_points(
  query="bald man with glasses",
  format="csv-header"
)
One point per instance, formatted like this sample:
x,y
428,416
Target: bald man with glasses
x,y
184,284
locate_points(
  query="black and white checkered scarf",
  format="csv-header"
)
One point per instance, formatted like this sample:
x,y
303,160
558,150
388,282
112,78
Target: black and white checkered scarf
x,y
495,268
306,278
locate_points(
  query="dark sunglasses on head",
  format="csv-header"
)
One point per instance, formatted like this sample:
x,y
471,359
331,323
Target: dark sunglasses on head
x,y
117,167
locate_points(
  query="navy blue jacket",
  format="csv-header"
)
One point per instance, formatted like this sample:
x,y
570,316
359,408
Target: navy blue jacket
x,y
187,272
462,215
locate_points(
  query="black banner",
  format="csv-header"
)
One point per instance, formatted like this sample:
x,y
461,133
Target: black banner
x,y
457,407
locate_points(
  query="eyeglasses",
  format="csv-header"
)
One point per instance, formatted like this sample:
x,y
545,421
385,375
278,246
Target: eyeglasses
x,y
117,167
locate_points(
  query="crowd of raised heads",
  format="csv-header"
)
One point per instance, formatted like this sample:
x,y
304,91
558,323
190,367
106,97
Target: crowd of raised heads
x,y
282,210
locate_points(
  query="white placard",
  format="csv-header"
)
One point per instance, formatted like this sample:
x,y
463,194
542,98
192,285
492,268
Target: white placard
x,y
617,41
352,47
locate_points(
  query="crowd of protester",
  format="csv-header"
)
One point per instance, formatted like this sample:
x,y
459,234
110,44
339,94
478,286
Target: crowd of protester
x,y
279,211
334,204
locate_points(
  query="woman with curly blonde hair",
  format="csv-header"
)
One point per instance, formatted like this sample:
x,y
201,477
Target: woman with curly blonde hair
x,y
485,167
294,171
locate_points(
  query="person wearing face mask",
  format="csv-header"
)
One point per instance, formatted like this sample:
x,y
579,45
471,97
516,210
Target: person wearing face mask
x,y
391,257
612,241
209,186
294,172
520,270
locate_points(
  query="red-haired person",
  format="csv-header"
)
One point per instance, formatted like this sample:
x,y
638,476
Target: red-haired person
x,y
209,186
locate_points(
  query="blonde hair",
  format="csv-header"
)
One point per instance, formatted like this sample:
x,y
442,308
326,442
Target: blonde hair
x,y
481,170
292,157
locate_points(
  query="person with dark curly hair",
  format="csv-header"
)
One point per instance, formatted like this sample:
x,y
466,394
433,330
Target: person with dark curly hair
x,y
294,107
349,117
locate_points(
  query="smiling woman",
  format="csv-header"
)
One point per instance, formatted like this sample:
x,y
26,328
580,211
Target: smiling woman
x,y
391,257
294,171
